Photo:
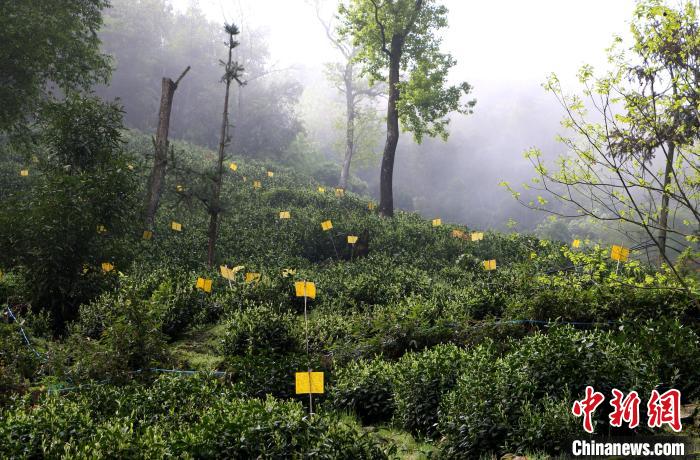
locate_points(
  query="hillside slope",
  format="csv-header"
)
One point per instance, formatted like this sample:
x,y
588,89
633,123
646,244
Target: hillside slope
x,y
410,329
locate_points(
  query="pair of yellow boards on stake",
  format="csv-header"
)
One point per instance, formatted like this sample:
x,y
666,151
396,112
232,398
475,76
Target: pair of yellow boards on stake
x,y
204,284
326,225
257,184
176,226
309,382
107,267
252,277
489,264
230,273
352,239
233,166
101,229
339,192
147,234
305,289
620,253
24,173
285,215
270,174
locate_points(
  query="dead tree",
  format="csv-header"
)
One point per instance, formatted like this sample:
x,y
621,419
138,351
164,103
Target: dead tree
x,y
160,160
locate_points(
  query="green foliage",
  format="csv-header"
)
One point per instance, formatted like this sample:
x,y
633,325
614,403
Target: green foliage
x,y
376,29
365,388
496,400
49,226
260,330
18,363
174,416
420,381
64,52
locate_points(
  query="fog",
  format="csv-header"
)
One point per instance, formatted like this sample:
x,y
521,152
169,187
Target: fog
x,y
505,49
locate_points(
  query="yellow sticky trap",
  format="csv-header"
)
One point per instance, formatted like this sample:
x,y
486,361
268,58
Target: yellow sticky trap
x,y
226,272
251,277
490,264
285,215
204,284
309,382
24,173
322,190
576,244
437,222
101,229
371,206
147,234
107,267
257,184
287,272
233,166
533,255
477,236
176,226
339,192
326,225
305,289
130,166
270,174
458,234
620,253
352,239
180,188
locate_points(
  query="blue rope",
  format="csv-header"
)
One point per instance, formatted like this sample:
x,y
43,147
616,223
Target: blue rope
x,y
24,335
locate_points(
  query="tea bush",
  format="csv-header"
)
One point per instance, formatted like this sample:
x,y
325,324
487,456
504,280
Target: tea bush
x,y
494,400
421,380
260,330
366,389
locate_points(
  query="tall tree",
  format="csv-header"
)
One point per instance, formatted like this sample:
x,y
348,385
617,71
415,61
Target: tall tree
x,y
160,158
232,72
638,164
47,46
398,44
345,76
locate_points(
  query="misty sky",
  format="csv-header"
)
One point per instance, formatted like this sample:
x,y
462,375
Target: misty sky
x,y
494,42
505,49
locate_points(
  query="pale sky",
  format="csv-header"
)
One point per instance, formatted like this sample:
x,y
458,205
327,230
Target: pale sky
x,y
493,41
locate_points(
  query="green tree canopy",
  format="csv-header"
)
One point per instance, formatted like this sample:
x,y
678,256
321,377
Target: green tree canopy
x,y
398,44
47,46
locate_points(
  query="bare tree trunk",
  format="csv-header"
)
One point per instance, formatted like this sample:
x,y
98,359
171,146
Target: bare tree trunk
x,y
350,127
160,160
386,197
665,198
215,206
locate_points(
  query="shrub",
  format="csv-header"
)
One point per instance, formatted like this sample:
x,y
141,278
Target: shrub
x,y
421,380
494,400
260,330
261,374
366,389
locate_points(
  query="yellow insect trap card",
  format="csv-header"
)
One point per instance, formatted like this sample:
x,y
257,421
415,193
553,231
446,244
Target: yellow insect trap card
x,y
305,289
489,264
309,382
619,253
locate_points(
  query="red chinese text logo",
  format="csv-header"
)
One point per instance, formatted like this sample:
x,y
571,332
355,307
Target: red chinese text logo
x,y
662,409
